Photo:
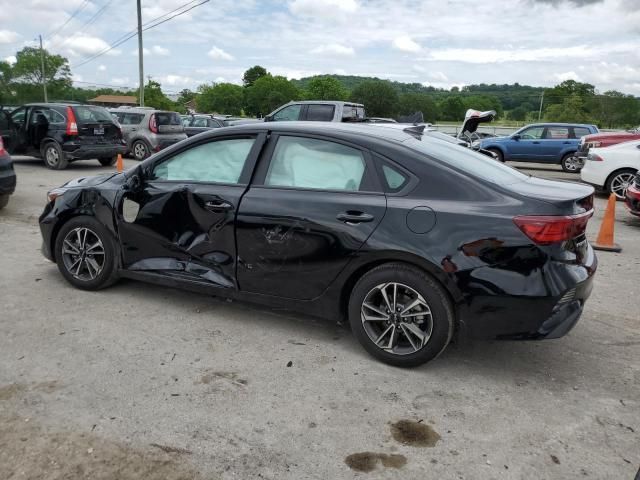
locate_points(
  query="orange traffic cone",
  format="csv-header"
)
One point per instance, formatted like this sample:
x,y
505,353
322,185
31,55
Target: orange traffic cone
x,y
605,236
119,163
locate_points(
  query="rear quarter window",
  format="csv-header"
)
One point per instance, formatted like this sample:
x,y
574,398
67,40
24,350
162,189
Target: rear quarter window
x,y
320,113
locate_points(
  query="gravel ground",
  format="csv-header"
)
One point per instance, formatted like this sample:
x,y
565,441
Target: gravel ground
x,y
139,381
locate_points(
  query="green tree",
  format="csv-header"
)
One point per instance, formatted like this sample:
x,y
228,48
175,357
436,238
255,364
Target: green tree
x,y
378,96
253,74
519,114
483,103
153,97
409,103
268,92
185,96
28,68
572,109
615,109
326,88
221,98
568,88
452,108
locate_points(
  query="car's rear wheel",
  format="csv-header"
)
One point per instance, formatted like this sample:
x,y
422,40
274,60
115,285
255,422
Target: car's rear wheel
x,y
53,156
85,254
497,153
400,315
140,150
108,161
570,163
4,200
619,181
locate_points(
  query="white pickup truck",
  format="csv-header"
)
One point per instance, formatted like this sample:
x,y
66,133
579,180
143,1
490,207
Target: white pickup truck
x,y
318,111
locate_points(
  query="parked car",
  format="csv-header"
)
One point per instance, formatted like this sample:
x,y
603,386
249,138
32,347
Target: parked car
x,y
198,123
60,133
409,238
318,111
7,176
602,140
147,130
612,169
554,143
633,196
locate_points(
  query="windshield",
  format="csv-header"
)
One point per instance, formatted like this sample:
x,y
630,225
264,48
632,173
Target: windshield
x,y
89,114
168,118
465,159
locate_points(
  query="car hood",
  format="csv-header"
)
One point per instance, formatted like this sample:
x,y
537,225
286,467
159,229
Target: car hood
x,y
90,181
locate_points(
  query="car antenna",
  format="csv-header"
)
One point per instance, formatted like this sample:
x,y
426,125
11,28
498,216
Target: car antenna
x,y
415,130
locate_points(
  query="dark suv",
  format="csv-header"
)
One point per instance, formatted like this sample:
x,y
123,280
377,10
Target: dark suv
x,y
60,133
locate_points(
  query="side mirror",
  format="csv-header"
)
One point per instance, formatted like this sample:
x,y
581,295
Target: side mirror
x,y
133,183
268,118
516,136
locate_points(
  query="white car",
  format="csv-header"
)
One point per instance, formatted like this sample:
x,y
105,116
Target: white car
x,y
612,168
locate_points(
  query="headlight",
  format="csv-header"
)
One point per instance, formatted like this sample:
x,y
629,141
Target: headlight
x,y
55,193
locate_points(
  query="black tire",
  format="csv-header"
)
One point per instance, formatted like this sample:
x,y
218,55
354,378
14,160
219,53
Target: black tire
x,y
611,184
4,200
108,161
53,156
140,150
108,273
442,316
498,154
570,165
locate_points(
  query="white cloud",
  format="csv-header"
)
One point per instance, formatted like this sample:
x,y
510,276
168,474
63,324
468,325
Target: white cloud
x,y
419,68
339,71
80,45
11,59
438,76
102,68
220,80
219,54
145,52
76,77
323,8
567,76
158,50
175,80
487,55
405,44
7,36
334,49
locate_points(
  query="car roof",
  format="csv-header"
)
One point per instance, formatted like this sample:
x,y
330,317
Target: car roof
x,y
552,124
324,102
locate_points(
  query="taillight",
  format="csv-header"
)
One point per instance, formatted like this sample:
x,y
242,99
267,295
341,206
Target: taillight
x,y
2,150
153,125
72,126
547,229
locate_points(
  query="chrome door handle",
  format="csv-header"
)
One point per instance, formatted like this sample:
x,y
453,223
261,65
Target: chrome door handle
x,y
218,206
354,217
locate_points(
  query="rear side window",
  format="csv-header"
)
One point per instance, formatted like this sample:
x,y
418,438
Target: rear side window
x,y
132,118
91,114
315,164
220,161
464,159
320,113
557,133
579,132
168,118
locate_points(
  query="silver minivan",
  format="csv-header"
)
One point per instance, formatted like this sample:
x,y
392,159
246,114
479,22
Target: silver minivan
x,y
148,130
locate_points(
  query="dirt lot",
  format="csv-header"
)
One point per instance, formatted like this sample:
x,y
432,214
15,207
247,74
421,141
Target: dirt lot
x,y
139,381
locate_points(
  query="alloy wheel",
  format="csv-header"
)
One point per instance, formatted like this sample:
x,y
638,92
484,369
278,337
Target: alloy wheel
x,y
620,183
139,151
52,156
83,254
572,164
396,318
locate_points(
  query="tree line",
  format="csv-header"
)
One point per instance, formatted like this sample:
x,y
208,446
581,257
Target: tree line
x,y
261,92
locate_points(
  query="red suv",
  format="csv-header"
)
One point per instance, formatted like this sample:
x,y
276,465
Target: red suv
x,y
601,140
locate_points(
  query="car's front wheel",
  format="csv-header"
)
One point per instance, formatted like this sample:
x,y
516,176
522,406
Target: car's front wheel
x,y
85,254
497,153
53,156
401,315
570,163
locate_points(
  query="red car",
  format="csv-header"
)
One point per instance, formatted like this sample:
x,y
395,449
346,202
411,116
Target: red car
x,y
600,140
633,196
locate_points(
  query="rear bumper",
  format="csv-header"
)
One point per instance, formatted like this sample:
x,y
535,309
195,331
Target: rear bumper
x,y
633,200
85,152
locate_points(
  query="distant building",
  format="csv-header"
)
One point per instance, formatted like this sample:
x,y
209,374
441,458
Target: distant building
x,y
114,100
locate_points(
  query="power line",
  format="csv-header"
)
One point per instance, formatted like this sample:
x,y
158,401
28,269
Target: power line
x,y
73,15
84,26
132,34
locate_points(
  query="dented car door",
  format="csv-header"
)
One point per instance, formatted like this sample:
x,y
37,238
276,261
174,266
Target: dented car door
x,y
180,221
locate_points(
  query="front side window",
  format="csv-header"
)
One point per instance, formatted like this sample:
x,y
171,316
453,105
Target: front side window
x,y
557,133
320,113
315,164
289,113
219,161
533,133
199,122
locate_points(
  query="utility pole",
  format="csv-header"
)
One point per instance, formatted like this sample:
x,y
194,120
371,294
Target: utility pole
x,y
540,111
140,57
44,78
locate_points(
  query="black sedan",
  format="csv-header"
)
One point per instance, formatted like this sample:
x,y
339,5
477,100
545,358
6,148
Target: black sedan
x,y
7,176
409,237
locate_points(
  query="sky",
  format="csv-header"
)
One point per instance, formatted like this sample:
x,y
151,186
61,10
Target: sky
x,y
442,43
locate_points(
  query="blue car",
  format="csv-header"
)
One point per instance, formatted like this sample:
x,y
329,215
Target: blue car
x,y
554,143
